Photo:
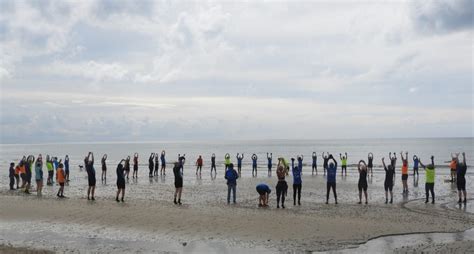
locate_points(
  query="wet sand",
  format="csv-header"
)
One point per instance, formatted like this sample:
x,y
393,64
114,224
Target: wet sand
x,y
149,221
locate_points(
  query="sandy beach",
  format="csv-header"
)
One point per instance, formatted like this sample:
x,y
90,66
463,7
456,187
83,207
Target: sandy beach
x,y
149,222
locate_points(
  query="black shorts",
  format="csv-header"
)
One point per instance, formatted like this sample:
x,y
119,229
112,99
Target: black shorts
x,y
388,186
91,181
61,184
370,165
121,184
178,183
135,168
104,168
461,184
362,186
282,187
404,177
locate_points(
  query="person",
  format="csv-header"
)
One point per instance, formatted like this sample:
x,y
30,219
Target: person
x,y
39,176
370,164
239,162
56,166
11,175
231,176
135,166
127,166
23,172
28,171
453,166
264,193
213,163
199,165
297,183
49,166
163,163
331,178
281,187
178,182
461,169
404,172
103,162
151,164
343,163
89,164
389,179
17,176
325,162
362,167
120,181
155,172
227,161
393,160
182,160
415,165
61,179
314,165
269,158
254,165
66,167
430,179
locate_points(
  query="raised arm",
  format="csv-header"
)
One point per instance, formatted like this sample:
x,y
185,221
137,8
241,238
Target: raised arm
x,y
421,163
346,155
464,158
383,163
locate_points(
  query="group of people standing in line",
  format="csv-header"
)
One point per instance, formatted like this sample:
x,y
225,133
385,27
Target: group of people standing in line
x,y
24,171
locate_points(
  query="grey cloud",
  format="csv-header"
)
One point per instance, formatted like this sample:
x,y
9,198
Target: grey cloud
x,y
442,16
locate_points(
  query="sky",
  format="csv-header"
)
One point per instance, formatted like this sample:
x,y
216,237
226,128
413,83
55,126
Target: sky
x,y
81,71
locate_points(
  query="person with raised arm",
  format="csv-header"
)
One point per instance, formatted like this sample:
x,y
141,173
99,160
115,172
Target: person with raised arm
x,y
314,165
269,164
281,187
239,162
461,169
226,161
178,182
297,183
181,160
370,164
325,162
343,163
430,180
199,165
331,178
151,164
49,166
120,181
404,172
89,164
415,165
103,162
127,166
231,176
213,163
155,172
393,160
135,166
163,163
300,162
254,165
28,169
362,185
389,178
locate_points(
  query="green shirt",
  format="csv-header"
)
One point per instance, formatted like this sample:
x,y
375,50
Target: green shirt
x,y
430,175
344,162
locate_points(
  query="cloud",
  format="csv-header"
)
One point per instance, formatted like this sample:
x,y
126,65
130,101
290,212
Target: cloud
x,y
442,16
113,70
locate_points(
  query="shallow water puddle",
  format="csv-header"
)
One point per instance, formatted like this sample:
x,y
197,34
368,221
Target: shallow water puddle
x,y
389,243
